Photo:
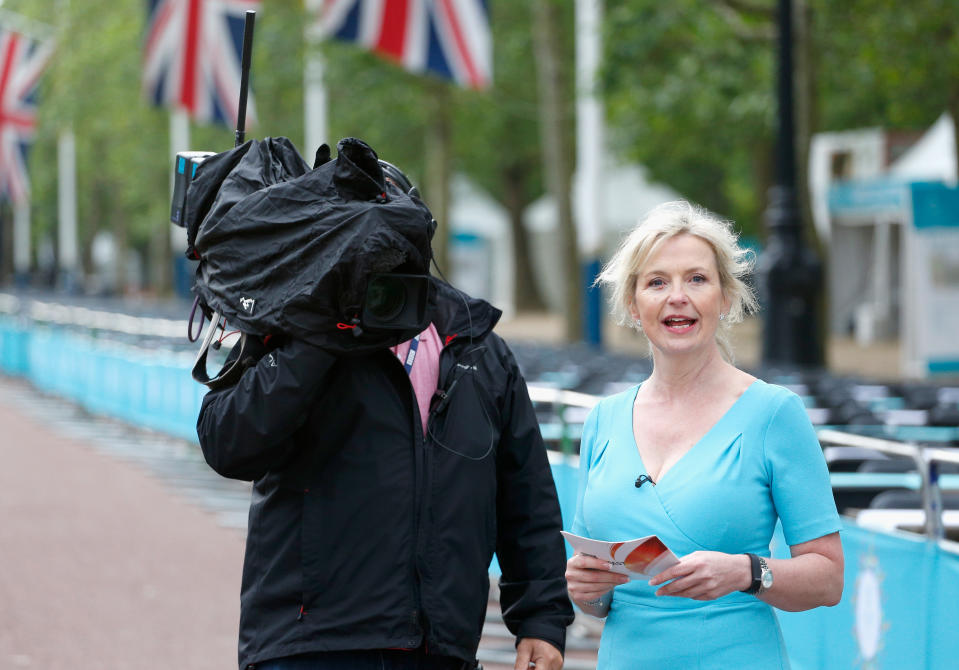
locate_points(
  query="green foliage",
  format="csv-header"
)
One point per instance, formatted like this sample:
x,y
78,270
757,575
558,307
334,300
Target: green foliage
x,y
887,63
691,92
92,85
690,100
379,103
495,132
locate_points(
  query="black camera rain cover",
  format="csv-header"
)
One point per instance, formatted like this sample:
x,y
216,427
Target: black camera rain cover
x,y
285,249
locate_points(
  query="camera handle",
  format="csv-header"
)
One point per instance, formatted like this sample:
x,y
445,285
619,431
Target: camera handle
x,y
231,373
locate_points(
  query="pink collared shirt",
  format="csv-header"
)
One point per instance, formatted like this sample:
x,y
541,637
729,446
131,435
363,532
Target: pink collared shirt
x,y
425,373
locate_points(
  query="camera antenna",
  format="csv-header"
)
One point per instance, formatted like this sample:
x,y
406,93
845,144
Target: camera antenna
x,y
244,77
229,375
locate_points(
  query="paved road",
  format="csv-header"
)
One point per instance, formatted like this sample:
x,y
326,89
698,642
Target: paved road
x,y
103,566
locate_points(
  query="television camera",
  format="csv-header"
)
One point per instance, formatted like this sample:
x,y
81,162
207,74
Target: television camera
x,y
347,268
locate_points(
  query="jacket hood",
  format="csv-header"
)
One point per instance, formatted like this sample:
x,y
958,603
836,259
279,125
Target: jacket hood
x,y
456,313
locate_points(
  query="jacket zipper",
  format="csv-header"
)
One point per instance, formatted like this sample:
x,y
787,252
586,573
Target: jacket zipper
x,y
420,494
418,497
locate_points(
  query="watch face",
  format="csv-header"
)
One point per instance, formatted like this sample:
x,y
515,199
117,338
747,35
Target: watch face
x,y
767,579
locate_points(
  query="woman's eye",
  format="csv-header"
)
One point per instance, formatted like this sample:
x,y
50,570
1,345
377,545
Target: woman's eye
x,y
698,279
656,282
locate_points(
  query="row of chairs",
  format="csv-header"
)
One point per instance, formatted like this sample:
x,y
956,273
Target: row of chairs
x,y
900,408
877,489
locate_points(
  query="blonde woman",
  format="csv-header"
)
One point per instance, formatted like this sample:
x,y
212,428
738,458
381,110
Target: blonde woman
x,y
708,458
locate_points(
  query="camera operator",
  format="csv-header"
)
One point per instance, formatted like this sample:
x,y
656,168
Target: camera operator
x,y
382,485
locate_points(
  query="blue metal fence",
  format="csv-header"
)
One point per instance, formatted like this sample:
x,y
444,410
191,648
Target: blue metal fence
x,y
149,388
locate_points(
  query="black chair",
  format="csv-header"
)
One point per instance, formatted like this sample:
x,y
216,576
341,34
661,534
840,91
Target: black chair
x,y
887,465
918,396
910,500
849,412
849,459
943,415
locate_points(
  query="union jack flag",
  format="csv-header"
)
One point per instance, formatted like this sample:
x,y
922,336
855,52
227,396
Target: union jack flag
x,y
191,58
22,61
449,38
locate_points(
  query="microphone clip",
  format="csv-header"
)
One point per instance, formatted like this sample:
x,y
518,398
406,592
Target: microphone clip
x,y
642,479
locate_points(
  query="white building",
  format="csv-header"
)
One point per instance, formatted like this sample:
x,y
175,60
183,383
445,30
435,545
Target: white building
x,y
892,229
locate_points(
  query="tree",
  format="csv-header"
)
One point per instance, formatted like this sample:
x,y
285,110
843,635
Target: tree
x,y
553,77
689,84
497,139
897,67
690,95
494,133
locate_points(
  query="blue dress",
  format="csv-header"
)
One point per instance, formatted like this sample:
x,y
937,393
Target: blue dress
x,y
761,461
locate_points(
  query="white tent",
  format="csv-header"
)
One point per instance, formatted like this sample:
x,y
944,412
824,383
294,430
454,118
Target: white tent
x,y
627,195
933,157
481,245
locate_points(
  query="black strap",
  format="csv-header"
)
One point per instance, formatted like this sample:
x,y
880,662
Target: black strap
x,y
757,574
248,350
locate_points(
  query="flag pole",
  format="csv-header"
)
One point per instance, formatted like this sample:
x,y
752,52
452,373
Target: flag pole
x,y
315,101
40,32
589,152
21,241
67,256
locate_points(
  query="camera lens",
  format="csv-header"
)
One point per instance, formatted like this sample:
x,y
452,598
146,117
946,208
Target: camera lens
x,y
385,298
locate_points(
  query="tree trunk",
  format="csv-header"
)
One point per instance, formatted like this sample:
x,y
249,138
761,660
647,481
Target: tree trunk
x,y
121,244
439,163
526,293
161,254
552,85
6,243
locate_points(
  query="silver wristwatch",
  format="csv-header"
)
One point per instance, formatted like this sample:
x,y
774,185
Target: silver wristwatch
x,y
762,576
765,577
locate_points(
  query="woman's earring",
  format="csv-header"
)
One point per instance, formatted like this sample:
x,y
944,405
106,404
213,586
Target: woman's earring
x,y
722,317
639,324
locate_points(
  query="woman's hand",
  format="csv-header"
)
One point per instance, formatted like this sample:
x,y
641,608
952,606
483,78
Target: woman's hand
x,y
589,580
704,575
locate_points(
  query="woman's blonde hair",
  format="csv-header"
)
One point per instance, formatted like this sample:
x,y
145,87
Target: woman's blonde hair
x,y
663,223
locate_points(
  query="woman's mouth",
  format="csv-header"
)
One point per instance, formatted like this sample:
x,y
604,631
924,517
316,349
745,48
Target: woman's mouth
x,y
679,324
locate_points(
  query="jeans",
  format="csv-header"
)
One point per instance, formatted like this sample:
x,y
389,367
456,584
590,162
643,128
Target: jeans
x,y
367,659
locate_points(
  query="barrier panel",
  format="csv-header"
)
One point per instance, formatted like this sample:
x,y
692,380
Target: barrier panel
x,y
898,608
148,388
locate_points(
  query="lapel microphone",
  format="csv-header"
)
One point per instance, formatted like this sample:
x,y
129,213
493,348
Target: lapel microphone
x,y
642,479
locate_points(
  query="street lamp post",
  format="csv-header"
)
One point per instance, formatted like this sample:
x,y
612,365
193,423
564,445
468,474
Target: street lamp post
x,y
789,274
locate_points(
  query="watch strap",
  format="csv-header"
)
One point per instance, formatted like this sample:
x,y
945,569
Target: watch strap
x,y
757,574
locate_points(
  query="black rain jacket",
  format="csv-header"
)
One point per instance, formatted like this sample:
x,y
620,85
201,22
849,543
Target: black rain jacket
x,y
363,533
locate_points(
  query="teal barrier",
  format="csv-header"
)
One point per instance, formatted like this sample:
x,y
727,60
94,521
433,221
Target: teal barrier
x,y
148,388
897,610
14,343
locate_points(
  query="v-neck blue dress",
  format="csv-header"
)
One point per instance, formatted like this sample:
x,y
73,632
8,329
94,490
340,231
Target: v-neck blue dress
x,y
760,462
